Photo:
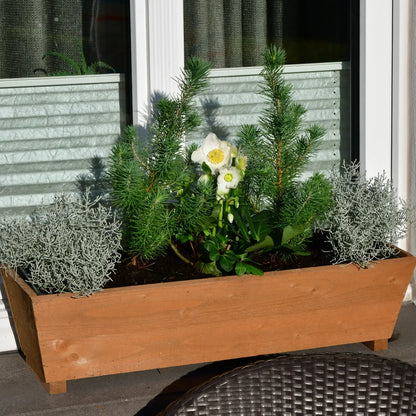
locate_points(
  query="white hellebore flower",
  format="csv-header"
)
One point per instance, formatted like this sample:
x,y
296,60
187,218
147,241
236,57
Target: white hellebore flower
x,y
228,178
214,152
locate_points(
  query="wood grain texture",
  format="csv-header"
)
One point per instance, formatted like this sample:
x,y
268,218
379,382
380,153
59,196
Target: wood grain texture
x,y
177,323
20,297
377,344
56,387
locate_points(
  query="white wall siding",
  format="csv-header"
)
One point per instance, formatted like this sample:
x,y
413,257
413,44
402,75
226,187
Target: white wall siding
x,y
323,89
50,129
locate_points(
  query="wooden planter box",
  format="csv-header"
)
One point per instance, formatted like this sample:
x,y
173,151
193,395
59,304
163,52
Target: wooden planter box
x,y
168,324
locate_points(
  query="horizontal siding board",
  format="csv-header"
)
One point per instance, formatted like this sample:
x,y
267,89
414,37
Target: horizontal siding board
x,y
325,118
49,134
55,109
52,133
235,100
104,138
9,126
310,95
53,154
43,97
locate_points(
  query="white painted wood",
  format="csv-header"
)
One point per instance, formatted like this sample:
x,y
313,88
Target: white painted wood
x,y
288,69
412,184
166,40
375,85
139,60
401,98
401,94
156,26
7,339
59,80
50,131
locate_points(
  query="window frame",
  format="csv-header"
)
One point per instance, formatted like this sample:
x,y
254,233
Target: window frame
x,y
383,98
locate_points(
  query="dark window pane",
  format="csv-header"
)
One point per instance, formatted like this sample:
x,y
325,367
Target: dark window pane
x,y
234,33
31,29
317,31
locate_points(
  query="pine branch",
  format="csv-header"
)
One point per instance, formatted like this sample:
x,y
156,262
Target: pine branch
x,y
175,118
149,229
194,210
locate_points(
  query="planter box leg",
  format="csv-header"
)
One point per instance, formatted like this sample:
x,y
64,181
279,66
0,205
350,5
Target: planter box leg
x,y
377,344
55,387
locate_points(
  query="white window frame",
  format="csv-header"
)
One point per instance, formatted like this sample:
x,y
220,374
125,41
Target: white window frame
x,y
402,95
385,89
385,59
157,51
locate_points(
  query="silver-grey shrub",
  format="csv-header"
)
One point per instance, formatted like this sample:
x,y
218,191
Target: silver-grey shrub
x,y
366,219
72,245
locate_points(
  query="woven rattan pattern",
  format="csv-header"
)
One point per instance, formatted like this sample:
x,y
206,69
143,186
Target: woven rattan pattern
x,y
324,384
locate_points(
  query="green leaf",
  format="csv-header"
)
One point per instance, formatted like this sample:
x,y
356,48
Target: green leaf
x,y
261,225
266,244
206,168
216,212
184,238
290,232
240,268
227,263
208,268
242,225
76,68
253,270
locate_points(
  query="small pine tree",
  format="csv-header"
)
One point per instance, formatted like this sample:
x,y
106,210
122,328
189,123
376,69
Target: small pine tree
x,y
278,152
149,177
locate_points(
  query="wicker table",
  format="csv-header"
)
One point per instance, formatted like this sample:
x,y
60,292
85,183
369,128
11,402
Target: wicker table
x,y
319,384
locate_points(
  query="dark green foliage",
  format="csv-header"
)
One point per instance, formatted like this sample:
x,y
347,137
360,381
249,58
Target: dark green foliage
x,y
166,202
150,225
153,180
194,210
278,152
81,68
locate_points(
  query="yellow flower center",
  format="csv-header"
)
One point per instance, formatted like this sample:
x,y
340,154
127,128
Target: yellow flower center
x,y
216,156
228,177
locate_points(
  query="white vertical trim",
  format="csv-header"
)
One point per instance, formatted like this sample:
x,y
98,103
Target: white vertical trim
x,y
401,94
166,41
139,60
157,51
375,85
402,12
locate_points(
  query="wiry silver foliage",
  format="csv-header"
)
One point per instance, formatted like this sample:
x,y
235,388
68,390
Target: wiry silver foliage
x,y
72,245
366,219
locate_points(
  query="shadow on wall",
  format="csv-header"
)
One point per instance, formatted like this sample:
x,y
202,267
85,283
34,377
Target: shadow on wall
x,y
95,182
209,123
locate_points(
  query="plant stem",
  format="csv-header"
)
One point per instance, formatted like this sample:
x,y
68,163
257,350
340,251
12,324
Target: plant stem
x,y
221,214
179,254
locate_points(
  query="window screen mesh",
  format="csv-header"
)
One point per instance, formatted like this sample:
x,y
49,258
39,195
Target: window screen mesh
x,y
30,29
231,33
234,33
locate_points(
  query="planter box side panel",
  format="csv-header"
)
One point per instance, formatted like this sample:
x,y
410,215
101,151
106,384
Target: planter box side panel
x,y
21,306
163,325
